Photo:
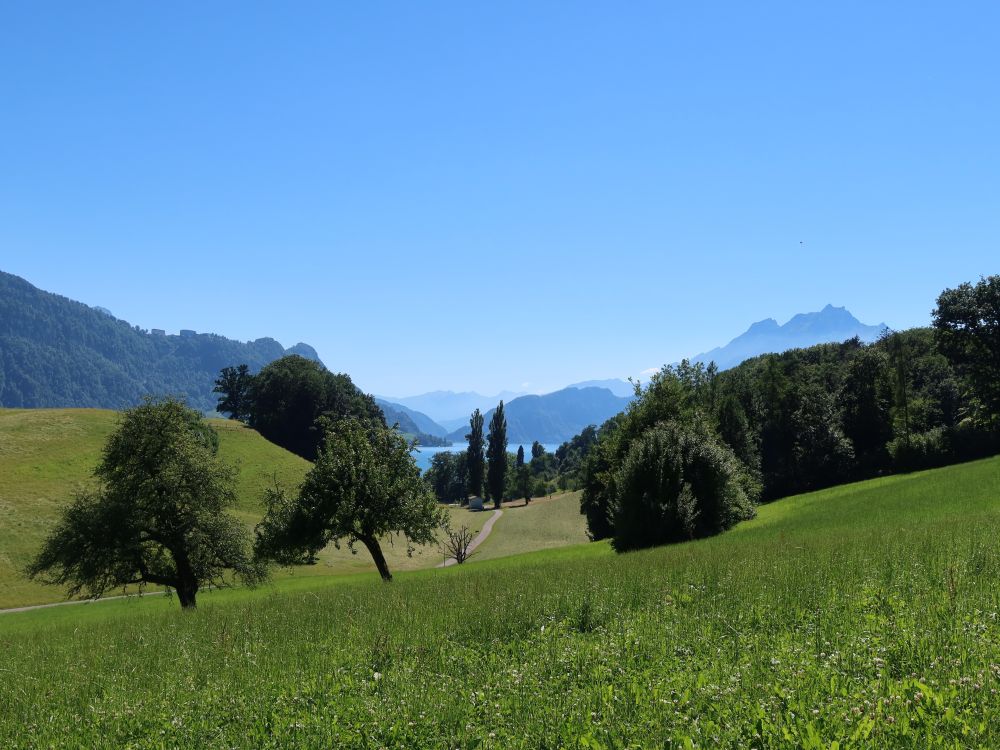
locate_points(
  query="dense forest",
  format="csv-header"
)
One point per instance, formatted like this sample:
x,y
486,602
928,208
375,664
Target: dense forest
x,y
808,418
55,352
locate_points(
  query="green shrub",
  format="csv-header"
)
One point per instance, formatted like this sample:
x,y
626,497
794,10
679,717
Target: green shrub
x,y
678,481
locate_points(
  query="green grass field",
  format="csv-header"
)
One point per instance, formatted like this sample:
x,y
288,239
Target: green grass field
x,y
45,453
861,616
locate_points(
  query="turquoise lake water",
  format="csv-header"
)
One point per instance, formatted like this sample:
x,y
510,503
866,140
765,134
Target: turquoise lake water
x,y
425,454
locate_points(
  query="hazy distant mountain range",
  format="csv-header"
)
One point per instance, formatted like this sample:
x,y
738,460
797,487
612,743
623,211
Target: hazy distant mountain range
x,y
448,408
55,352
413,423
829,325
805,329
554,417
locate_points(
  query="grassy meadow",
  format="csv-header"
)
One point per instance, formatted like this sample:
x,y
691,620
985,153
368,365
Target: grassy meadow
x,y
859,616
45,453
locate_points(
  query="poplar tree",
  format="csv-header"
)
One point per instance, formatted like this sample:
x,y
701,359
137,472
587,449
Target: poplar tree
x,y
496,455
474,454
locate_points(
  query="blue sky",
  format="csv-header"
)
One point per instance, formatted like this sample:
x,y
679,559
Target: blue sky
x,y
517,195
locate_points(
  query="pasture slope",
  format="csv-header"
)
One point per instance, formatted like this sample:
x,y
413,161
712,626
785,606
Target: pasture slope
x,y
860,616
45,453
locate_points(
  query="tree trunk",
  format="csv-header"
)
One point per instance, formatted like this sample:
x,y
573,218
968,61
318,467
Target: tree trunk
x,y
187,584
376,552
187,593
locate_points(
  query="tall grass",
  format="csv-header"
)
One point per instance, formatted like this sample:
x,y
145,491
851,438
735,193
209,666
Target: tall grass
x,y
861,616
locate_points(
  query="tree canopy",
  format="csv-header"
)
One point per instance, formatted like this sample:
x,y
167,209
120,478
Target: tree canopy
x,y
292,396
156,516
678,481
967,327
364,485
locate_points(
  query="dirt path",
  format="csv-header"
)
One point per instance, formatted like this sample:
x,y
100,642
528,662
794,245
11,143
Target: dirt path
x,y
77,601
480,538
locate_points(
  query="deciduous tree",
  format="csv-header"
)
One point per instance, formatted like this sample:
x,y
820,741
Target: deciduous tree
x,y
364,486
293,397
235,388
967,328
156,516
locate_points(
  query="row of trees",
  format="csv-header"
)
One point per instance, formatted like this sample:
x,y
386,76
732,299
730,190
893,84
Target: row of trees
x,y
785,423
448,475
487,468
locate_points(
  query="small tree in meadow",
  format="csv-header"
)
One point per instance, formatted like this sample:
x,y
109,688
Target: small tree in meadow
x,y
156,516
456,543
364,485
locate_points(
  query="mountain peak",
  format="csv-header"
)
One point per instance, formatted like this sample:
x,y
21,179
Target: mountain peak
x,y
768,324
804,329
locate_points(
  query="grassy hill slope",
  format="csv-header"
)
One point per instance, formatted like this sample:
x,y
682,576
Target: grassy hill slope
x,y
45,453
860,616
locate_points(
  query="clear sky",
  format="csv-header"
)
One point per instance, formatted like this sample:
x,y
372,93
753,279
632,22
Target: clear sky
x,y
477,196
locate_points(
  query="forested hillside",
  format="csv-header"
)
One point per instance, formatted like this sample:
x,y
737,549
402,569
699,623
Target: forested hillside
x,y
55,352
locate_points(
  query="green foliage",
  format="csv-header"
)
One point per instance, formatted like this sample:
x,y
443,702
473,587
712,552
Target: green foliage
x,y
537,450
157,515
475,455
680,394
522,476
448,477
496,456
678,481
571,455
294,397
364,485
235,388
967,329
866,399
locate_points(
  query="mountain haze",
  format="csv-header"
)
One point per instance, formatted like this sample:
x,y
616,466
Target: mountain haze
x,y
555,417
448,406
619,387
831,324
413,424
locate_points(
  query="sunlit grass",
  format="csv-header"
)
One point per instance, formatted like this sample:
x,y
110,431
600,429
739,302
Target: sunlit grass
x,y
864,615
46,453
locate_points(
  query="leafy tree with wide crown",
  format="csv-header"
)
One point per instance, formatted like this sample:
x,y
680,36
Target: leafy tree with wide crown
x,y
157,515
364,486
